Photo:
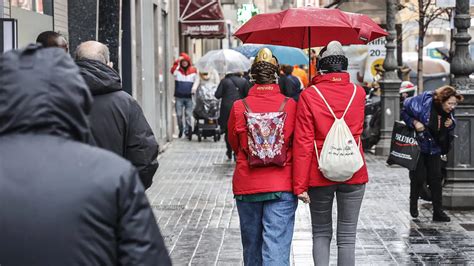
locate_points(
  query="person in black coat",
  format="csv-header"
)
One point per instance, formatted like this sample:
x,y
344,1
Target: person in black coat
x,y
290,85
117,121
64,202
229,90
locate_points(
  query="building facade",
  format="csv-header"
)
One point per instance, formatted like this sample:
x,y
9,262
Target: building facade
x,y
142,36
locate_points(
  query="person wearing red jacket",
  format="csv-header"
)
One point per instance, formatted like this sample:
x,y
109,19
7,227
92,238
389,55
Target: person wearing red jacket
x,y
313,121
264,195
186,78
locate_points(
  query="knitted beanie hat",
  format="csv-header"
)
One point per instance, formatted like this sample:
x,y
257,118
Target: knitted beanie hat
x,y
332,58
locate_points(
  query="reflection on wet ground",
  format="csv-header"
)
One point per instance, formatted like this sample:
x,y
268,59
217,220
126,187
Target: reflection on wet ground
x,y
194,206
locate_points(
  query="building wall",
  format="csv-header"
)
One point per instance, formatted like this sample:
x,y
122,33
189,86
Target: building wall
x,y
155,41
6,8
61,17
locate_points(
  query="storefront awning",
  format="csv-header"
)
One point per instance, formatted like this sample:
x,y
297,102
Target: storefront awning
x,y
202,19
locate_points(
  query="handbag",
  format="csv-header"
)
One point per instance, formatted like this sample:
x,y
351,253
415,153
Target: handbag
x,y
404,147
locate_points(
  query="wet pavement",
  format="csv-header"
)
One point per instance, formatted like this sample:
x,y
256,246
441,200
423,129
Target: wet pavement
x,y
193,202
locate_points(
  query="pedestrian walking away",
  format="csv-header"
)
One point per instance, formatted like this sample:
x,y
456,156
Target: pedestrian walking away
x,y
117,120
431,114
53,39
290,85
62,201
185,75
260,131
229,90
332,96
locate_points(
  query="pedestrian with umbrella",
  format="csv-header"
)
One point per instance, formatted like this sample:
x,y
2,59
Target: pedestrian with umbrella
x,y
305,28
232,64
260,132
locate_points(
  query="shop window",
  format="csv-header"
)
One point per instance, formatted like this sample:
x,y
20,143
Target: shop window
x,y
38,6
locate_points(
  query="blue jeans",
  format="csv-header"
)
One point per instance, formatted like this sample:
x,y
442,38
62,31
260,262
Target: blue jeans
x,y
187,105
267,230
349,200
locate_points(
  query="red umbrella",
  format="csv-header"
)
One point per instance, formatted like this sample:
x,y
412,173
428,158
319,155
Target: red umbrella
x,y
309,27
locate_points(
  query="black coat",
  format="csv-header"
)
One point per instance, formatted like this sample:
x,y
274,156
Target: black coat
x,y
230,89
63,202
117,121
290,86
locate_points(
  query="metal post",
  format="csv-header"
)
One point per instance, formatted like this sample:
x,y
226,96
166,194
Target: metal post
x,y
458,191
390,84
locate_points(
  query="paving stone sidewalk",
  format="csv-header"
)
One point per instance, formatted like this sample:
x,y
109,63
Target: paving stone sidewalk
x,y
193,203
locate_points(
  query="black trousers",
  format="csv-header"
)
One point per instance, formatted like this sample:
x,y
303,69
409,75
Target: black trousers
x,y
227,144
428,166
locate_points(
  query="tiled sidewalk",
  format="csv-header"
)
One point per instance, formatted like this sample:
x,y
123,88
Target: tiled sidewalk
x,y
193,202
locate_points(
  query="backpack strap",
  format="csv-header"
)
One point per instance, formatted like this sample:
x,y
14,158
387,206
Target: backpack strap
x,y
247,108
350,102
283,104
329,107
324,100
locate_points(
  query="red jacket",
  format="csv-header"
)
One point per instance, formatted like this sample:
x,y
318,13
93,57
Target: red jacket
x,y
261,98
313,121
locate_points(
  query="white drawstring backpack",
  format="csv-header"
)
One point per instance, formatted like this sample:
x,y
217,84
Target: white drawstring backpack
x,y
340,156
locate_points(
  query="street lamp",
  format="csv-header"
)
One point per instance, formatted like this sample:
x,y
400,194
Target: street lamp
x,y
458,191
390,84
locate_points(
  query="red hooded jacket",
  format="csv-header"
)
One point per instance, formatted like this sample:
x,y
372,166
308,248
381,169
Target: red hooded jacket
x,y
313,121
261,98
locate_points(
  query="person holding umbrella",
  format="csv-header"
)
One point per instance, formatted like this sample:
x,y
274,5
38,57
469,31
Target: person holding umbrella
x,y
262,181
313,122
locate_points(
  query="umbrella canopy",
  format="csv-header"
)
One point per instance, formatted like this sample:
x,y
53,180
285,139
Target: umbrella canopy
x,y
224,61
285,55
309,27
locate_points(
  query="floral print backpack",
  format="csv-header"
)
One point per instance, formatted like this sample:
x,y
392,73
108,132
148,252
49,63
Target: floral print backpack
x,y
266,140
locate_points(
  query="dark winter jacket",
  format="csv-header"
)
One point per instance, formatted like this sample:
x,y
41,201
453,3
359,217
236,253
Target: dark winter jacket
x,y
117,121
229,90
64,202
184,78
419,108
290,86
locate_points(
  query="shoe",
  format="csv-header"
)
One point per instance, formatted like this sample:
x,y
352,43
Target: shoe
x,y
229,154
413,208
180,134
441,216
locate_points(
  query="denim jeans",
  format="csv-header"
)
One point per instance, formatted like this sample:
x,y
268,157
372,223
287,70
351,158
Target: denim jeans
x,y
187,105
349,200
267,230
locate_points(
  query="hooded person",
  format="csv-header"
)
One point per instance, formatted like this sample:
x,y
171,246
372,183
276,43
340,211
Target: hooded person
x,y
264,195
64,202
332,87
117,120
186,78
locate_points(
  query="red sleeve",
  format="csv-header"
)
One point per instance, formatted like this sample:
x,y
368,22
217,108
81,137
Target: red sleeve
x,y
303,146
175,66
231,132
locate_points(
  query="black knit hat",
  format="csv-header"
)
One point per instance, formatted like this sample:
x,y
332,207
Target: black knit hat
x,y
332,58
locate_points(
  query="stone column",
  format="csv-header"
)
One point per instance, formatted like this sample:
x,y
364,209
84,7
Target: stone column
x,y
82,22
390,85
458,191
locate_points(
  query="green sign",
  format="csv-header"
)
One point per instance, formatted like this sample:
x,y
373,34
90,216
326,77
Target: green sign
x,y
246,12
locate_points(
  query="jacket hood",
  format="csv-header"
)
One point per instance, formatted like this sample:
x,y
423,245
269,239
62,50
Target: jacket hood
x,y
42,91
100,78
186,57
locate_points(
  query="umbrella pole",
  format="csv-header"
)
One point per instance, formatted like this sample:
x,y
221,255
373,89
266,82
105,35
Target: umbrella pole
x,y
309,53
